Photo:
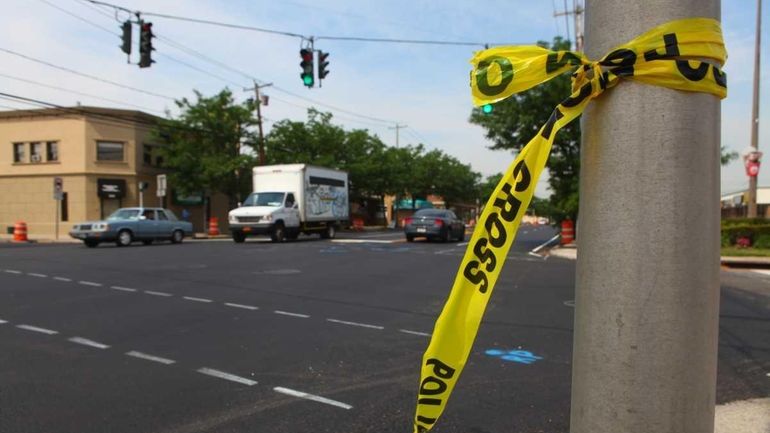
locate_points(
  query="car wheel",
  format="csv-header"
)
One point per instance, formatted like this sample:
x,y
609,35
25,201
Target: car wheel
x,y
124,238
90,243
177,236
147,242
278,233
239,237
329,233
409,238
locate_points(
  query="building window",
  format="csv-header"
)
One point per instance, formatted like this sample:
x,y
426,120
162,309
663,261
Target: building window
x,y
52,151
147,154
35,151
18,152
109,151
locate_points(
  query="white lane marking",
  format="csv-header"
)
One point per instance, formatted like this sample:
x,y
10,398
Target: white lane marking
x,y
570,303
191,298
32,274
226,376
147,357
540,247
406,331
524,232
150,292
761,271
363,325
312,397
37,329
123,289
246,307
462,244
89,343
3,321
90,283
286,313
361,241
66,280
12,271
444,251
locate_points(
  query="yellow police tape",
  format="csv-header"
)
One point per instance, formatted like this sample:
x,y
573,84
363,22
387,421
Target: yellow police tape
x,y
681,55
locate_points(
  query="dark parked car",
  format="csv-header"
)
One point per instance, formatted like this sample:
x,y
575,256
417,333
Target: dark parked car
x,y
131,224
434,224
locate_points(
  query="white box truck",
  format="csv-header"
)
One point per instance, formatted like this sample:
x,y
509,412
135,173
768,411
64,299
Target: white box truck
x,y
290,199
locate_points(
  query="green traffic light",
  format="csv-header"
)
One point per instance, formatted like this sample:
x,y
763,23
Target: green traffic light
x,y
486,108
308,80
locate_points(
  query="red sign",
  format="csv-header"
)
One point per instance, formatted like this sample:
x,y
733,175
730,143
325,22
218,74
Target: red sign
x,y
752,168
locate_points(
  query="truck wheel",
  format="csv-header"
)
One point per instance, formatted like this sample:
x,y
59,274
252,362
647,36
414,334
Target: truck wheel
x,y
124,238
329,233
239,237
278,233
292,234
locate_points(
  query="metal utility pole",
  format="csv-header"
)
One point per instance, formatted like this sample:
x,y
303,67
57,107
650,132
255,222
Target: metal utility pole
x,y
752,199
258,101
647,284
577,12
397,128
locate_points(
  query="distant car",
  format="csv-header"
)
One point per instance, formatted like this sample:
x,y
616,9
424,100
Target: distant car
x,y
130,224
438,224
542,221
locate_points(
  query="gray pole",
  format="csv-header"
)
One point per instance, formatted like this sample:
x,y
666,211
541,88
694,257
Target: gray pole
x,y
752,196
647,285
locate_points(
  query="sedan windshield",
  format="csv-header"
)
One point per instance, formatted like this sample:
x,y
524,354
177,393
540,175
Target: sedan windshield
x,y
124,214
273,199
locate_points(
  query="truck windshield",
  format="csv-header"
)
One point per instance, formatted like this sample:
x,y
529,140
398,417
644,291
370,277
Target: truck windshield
x,y
274,199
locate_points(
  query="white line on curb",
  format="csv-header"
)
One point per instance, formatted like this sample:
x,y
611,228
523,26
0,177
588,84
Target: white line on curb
x,y
66,280
363,325
227,376
194,299
122,289
12,271
150,292
36,329
90,283
307,396
32,274
147,357
286,313
246,307
406,331
87,342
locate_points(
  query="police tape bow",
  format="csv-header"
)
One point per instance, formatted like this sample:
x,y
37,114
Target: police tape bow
x,y
680,55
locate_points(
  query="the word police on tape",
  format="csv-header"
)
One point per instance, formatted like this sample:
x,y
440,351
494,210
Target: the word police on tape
x,y
683,55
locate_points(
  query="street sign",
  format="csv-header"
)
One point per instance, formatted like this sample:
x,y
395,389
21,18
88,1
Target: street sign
x,y
161,180
58,188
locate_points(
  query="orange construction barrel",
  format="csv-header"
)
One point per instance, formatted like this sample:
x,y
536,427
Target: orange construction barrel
x,y
213,226
20,232
567,232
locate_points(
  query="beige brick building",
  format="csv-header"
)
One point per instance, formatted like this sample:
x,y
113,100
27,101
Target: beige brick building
x,y
100,154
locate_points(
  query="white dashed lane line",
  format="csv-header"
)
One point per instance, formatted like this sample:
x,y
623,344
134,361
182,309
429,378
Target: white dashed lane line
x,y
3,321
300,394
90,283
362,325
226,376
32,274
122,289
422,334
87,342
37,329
286,313
12,271
151,292
148,357
66,280
245,307
194,299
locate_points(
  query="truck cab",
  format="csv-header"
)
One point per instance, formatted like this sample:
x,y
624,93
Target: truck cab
x,y
273,213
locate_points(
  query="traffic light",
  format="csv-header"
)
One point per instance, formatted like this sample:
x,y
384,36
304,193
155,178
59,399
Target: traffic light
x,y
145,45
322,64
126,46
487,108
307,76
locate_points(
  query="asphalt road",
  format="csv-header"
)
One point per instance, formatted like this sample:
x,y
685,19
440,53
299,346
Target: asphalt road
x,y
306,336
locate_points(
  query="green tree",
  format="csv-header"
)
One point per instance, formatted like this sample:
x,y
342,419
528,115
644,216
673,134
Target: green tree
x,y
726,156
204,146
515,120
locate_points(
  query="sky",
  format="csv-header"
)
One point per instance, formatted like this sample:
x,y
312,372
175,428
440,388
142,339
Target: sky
x,y
371,85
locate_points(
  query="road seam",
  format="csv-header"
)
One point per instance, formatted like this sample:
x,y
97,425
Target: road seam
x,y
287,313
226,376
149,357
37,329
246,307
87,342
318,398
362,325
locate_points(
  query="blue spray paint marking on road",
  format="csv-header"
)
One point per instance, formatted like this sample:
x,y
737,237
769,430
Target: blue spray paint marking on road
x,y
334,250
520,356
